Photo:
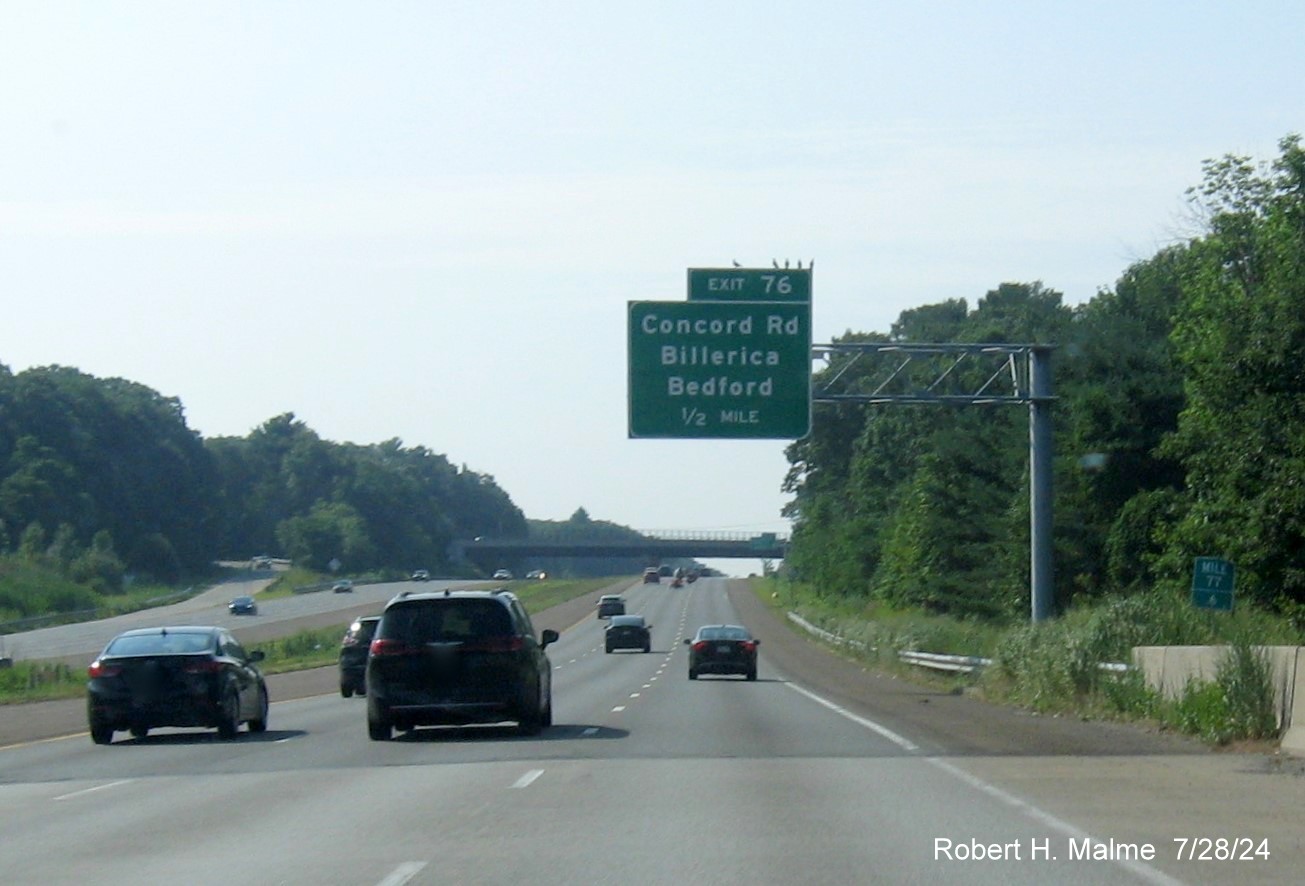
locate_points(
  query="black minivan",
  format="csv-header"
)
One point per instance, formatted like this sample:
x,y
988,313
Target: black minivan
x,y
455,658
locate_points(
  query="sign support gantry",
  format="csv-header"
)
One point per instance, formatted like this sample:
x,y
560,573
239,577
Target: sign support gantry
x,y
940,373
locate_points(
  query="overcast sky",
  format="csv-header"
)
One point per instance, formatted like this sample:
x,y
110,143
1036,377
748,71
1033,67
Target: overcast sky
x,y
424,220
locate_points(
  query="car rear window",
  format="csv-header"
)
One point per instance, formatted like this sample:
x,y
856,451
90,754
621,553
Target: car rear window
x,y
725,633
627,621
161,644
445,621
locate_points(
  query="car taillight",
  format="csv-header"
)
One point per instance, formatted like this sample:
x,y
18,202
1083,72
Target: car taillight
x,y
100,669
749,645
382,648
203,666
700,646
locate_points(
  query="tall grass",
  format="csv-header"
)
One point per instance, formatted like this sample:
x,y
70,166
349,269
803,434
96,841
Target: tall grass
x,y
1056,665
40,681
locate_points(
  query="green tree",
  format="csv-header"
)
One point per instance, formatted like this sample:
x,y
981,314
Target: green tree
x,y
331,530
1240,338
103,454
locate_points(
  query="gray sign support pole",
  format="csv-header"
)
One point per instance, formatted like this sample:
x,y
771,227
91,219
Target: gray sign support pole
x,y
1022,376
1040,474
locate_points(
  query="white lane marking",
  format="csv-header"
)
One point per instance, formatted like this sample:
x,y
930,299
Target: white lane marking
x,y
1146,872
403,873
903,743
618,709
526,780
634,695
592,730
82,793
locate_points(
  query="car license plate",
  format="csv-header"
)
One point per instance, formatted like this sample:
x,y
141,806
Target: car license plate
x,y
724,649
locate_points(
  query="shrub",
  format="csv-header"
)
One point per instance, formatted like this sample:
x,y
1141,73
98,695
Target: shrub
x,y
1246,679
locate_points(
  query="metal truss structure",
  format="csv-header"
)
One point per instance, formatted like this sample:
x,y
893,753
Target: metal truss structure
x,y
966,375
896,372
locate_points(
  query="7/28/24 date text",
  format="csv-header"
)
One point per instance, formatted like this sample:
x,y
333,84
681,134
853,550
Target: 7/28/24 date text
x,y
1088,849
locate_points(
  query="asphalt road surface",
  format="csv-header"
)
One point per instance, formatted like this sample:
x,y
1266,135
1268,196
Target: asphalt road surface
x,y
816,773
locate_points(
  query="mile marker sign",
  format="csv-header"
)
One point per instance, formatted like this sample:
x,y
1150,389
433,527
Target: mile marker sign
x,y
1213,581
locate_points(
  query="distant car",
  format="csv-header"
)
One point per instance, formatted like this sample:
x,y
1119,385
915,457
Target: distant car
x,y
628,632
458,657
537,574
243,606
651,576
722,649
421,575
343,586
353,655
175,676
610,604
263,562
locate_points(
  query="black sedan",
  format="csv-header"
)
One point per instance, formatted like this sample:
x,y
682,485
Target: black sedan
x,y
175,676
722,649
628,632
243,606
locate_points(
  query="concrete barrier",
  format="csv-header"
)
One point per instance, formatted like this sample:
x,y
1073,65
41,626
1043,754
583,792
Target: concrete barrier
x,y
1293,737
1168,669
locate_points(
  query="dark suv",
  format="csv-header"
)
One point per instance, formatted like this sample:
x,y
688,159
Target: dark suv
x,y
353,655
457,657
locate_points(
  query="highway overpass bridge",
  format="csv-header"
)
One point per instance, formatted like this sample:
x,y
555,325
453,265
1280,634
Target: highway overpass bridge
x,y
652,547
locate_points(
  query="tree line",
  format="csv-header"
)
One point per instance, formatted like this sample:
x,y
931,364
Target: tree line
x,y
102,479
1179,432
1179,427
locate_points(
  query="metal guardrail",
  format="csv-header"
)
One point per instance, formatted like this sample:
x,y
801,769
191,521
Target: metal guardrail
x,y
313,589
831,638
960,664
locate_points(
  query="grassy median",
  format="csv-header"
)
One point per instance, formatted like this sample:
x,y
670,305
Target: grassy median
x,y
297,651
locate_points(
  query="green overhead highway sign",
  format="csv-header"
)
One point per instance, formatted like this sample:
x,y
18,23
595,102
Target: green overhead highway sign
x,y
749,284
705,369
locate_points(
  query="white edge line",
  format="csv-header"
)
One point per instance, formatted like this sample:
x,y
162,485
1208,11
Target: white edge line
x,y
528,779
403,873
81,793
903,743
1146,872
